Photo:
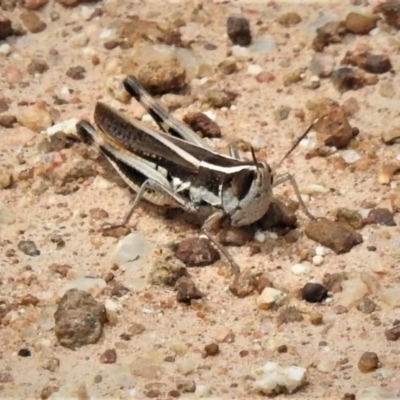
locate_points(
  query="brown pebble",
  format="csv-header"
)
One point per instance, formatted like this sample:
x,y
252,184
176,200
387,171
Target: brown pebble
x,y
187,290
5,27
196,252
289,19
372,63
174,393
331,32
243,353
13,74
368,362
359,23
244,283
347,78
316,318
61,269
76,73
29,300
7,121
349,396
98,213
201,123
238,29
265,77
279,215
289,315
211,349
391,11
32,22
330,280
381,216
282,348
108,357
366,306
47,391
37,67
339,309
115,231
33,4
393,334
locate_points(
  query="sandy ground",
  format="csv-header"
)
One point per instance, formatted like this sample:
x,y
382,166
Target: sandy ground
x,y
330,351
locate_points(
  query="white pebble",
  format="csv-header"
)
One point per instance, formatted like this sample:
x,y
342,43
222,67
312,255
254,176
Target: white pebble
x,y
65,91
254,69
318,260
185,366
68,127
147,118
202,391
86,12
315,189
350,156
270,297
210,115
320,251
5,49
240,53
299,269
106,33
260,236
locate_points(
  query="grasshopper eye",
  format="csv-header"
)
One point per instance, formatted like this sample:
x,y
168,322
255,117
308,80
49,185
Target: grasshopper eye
x,y
241,183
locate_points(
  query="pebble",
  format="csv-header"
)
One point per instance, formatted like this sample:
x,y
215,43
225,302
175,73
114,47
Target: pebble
x,y
372,63
165,268
202,123
79,319
5,49
241,53
359,24
6,29
228,66
386,172
316,318
115,88
299,269
238,29
270,297
366,306
35,118
47,391
131,252
330,33
351,217
289,19
197,252
52,364
13,75
381,216
211,349
391,136
273,379
387,90
187,290
244,283
338,236
32,22
346,78
318,260
265,76
37,66
289,315
202,391
391,12
7,121
29,248
393,334
353,291
350,156
6,178
109,357
314,292
186,385
368,362
34,4
185,365
391,296
76,73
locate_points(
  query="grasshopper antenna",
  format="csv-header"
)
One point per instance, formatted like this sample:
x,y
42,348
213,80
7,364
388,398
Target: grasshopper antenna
x,y
296,143
253,155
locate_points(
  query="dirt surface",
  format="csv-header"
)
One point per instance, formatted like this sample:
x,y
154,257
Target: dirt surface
x,y
54,205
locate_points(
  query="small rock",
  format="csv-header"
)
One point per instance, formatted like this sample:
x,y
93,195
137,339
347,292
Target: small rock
x,y
368,362
228,66
279,215
68,127
51,364
34,118
346,78
5,27
34,4
76,73
333,127
6,178
391,296
314,292
387,171
47,391
353,290
366,306
187,290
238,29
136,329
339,309
289,19
32,22
338,236
7,121
272,378
331,32
218,98
115,87
393,334
322,65
236,236
351,107
391,11
316,318
391,136
381,216
28,247
351,217
165,268
359,24
24,352
265,76
289,315
79,319
37,66
108,357
115,231
372,63
201,123
293,77
270,297
244,283
186,386
211,349
196,252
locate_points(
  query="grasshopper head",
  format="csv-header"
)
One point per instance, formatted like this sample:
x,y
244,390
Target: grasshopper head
x,y
249,195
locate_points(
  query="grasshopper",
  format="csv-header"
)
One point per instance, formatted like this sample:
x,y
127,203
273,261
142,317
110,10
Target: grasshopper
x,y
176,168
